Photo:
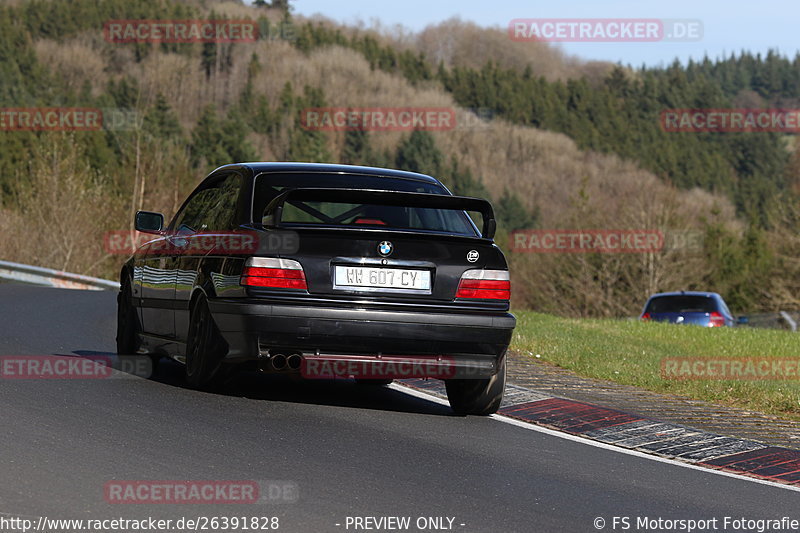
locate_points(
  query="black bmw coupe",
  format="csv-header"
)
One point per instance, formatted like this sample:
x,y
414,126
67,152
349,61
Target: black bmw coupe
x,y
324,271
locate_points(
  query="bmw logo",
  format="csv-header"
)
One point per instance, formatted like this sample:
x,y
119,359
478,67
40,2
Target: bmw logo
x,y
385,248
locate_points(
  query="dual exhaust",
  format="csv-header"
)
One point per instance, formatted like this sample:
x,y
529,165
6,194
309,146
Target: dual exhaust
x,y
281,361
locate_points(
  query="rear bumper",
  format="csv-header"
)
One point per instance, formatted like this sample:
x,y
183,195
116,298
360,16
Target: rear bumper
x,y
254,328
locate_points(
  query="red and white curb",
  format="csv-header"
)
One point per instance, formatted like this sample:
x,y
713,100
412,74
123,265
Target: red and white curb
x,y
641,436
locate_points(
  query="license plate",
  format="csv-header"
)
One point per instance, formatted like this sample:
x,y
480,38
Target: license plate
x,y
366,278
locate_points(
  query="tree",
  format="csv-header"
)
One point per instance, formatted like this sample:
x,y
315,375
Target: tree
x,y
305,144
161,122
207,140
512,214
356,149
218,142
418,153
461,182
741,267
283,5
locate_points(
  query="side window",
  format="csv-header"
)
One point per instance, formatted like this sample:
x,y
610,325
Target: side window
x,y
223,206
211,209
191,218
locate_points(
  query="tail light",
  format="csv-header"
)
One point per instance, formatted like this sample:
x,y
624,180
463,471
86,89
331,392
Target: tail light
x,y
485,284
645,317
273,273
716,320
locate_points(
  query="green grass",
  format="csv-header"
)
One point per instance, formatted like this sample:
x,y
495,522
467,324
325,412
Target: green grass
x,y
630,352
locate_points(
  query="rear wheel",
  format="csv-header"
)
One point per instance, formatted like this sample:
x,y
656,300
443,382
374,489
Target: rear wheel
x,y
204,348
477,396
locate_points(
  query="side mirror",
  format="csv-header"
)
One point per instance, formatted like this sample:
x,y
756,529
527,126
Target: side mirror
x,y
149,222
742,320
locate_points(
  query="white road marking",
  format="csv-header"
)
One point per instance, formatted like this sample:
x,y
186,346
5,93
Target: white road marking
x,y
575,438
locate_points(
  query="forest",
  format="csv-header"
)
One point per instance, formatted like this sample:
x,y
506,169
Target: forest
x,y
554,142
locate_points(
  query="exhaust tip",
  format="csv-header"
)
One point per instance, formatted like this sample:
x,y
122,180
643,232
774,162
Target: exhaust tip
x,y
278,361
294,361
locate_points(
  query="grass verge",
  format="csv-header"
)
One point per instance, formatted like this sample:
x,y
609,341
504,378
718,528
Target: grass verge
x,y
631,352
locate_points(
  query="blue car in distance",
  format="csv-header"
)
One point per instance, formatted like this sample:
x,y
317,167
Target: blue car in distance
x,y
688,307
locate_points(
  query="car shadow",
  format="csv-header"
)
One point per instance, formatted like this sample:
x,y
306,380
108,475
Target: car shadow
x,y
255,385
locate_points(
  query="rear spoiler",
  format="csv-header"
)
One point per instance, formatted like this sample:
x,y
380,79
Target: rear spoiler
x,y
274,209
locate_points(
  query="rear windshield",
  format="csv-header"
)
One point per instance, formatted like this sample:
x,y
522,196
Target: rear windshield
x,y
268,186
682,304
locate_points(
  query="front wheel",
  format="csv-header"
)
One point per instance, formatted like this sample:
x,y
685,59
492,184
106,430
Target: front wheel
x,y
477,396
128,341
128,327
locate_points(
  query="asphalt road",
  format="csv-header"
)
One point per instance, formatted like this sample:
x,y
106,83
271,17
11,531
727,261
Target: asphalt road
x,y
348,450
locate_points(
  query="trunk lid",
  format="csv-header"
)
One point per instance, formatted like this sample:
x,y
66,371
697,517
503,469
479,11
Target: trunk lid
x,y
340,262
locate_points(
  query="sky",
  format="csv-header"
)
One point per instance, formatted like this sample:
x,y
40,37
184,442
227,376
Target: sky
x,y
727,27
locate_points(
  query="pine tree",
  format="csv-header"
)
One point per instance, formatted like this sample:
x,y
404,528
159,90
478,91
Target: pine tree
x,y
207,140
306,144
220,142
161,122
461,182
356,149
512,214
418,153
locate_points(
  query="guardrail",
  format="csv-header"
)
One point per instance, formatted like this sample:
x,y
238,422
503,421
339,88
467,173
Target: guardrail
x,y
789,320
53,278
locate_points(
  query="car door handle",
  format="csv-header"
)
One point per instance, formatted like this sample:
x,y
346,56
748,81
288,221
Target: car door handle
x,y
178,241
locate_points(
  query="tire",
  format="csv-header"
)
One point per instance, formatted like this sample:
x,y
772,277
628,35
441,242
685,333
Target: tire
x,y
128,341
374,382
128,328
477,396
204,348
